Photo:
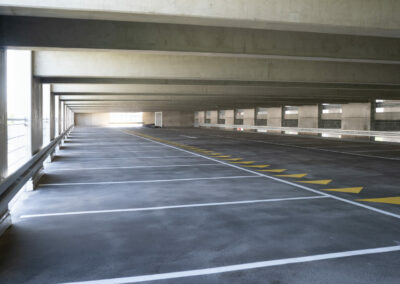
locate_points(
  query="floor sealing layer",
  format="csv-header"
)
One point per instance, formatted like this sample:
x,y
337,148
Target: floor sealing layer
x,y
208,206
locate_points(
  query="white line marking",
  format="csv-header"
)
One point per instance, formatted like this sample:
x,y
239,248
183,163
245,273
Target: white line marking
x,y
71,152
145,181
282,181
135,167
171,207
124,158
187,136
240,267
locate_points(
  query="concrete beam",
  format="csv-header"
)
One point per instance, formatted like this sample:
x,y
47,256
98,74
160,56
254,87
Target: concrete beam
x,y
376,17
36,32
157,66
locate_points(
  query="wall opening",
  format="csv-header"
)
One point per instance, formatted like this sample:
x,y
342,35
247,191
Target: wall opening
x,y
19,80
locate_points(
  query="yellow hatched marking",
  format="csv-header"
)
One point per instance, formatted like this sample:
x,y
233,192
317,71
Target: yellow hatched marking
x,y
274,170
388,200
347,189
322,181
233,159
244,162
258,166
292,175
222,156
215,154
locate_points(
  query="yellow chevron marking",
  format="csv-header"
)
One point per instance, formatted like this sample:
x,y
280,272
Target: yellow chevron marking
x,y
244,162
388,200
274,171
346,190
233,159
258,166
292,175
322,181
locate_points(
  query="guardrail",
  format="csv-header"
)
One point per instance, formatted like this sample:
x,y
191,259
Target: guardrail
x,y
386,134
13,183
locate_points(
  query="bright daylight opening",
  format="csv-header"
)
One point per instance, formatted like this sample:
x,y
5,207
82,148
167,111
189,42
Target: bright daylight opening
x,y
128,119
18,107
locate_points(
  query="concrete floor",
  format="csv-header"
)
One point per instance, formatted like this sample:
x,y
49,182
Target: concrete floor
x,y
118,205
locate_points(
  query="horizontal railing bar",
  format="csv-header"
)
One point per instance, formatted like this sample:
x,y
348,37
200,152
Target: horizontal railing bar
x,y
13,183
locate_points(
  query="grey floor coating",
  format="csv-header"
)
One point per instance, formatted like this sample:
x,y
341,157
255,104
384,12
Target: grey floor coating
x,y
57,249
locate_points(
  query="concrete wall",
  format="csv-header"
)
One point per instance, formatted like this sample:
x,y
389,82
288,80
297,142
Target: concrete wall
x,y
356,116
92,119
177,119
148,117
274,116
308,116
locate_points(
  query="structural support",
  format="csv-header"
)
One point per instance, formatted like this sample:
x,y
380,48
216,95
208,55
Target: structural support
x,y
357,116
309,116
214,117
274,116
249,116
230,117
3,116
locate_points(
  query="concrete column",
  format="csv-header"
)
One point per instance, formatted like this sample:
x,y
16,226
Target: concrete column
x,y
59,117
249,117
177,119
274,116
201,116
309,116
357,116
148,117
214,117
230,117
3,116
52,122
36,116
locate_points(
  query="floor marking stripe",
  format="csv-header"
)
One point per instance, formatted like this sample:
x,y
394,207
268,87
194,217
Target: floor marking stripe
x,y
257,166
283,181
240,267
191,137
322,181
292,175
172,206
244,162
388,200
125,158
135,167
346,190
274,171
145,181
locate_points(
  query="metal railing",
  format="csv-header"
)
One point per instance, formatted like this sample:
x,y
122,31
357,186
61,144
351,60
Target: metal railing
x,y
386,134
17,142
13,183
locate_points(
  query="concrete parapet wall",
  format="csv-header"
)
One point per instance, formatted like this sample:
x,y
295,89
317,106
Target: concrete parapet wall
x,y
356,116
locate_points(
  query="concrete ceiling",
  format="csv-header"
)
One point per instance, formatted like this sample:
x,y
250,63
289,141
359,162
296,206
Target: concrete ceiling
x,y
197,55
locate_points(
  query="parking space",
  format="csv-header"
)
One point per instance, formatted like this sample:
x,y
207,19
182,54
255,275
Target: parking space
x,y
204,206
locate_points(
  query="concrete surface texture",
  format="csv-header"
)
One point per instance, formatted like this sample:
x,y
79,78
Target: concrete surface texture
x,y
205,206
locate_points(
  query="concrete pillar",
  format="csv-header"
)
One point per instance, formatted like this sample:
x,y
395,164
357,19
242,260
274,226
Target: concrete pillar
x,y
357,116
3,116
309,116
214,117
36,116
230,117
274,116
52,121
249,117
148,117
201,117
177,119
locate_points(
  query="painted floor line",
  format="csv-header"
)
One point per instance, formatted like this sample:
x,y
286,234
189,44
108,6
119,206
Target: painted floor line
x,y
187,136
135,167
240,267
284,181
110,152
146,181
172,207
125,158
